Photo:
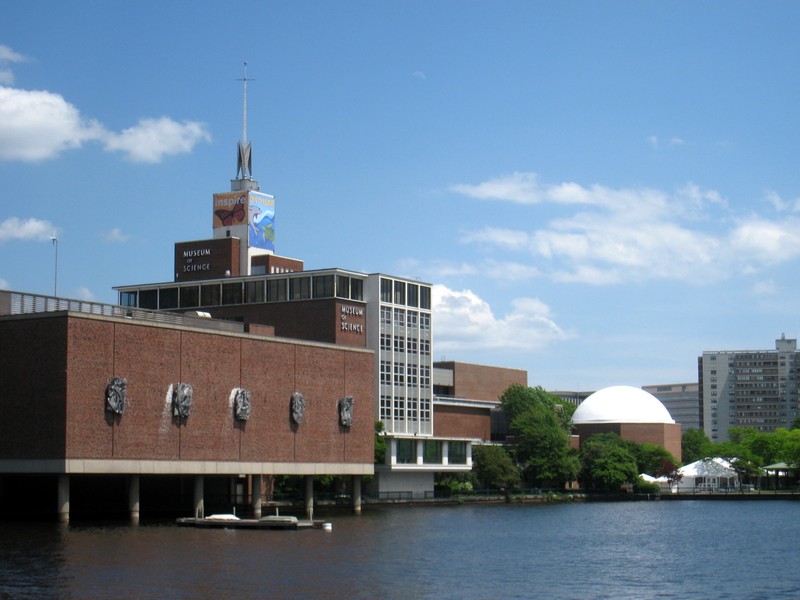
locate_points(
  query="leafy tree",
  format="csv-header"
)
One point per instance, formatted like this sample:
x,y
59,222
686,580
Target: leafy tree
x,y
695,445
541,424
493,468
653,459
607,463
380,443
795,423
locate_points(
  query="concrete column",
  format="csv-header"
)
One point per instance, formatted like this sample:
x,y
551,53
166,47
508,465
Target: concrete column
x,y
63,498
445,452
310,497
420,452
133,498
199,509
469,454
357,494
255,495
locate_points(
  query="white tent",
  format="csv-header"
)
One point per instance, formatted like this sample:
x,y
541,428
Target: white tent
x,y
708,475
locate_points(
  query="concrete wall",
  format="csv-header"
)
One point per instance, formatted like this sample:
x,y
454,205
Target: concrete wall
x,y
55,370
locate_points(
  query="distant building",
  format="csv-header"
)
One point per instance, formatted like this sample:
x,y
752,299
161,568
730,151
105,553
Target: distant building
x,y
755,389
682,400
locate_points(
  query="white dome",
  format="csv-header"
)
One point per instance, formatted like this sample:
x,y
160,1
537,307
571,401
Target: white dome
x,y
621,404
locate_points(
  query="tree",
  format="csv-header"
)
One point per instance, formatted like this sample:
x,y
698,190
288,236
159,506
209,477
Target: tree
x,y
541,424
695,445
494,468
380,443
607,463
653,459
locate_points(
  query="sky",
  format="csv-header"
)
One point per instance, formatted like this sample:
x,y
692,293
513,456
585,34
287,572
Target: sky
x,y
599,191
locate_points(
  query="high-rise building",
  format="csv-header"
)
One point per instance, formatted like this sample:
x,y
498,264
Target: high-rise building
x,y
682,400
754,389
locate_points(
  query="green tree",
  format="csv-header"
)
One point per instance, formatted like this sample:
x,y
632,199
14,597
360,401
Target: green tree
x,y
380,443
493,468
541,424
695,445
653,459
607,463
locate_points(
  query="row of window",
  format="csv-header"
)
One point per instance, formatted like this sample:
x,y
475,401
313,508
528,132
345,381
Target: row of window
x,y
405,294
402,318
402,344
403,374
432,452
399,408
251,291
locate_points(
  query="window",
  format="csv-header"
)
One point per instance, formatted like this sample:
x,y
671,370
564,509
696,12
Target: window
x,y
386,290
356,289
209,295
425,322
411,345
412,375
276,290
232,293
425,347
399,344
254,291
432,452
386,342
425,376
399,292
168,297
148,299
300,288
399,318
406,452
190,296
323,286
127,299
457,453
386,372
425,297
413,294
386,407
386,315
399,373
342,286
412,318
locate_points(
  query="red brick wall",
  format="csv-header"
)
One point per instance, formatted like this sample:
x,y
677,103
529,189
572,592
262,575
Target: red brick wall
x,y
461,422
85,353
481,382
666,435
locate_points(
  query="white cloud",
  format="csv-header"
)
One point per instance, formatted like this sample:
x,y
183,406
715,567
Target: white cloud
x,y
84,293
116,236
7,55
767,242
765,288
35,230
40,125
4,285
37,125
153,139
419,75
466,322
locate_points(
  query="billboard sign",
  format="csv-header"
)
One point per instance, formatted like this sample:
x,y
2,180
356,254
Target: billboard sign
x,y
261,220
230,209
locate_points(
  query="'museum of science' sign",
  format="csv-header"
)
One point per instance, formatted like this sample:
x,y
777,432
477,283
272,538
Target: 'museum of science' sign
x,y
351,319
196,259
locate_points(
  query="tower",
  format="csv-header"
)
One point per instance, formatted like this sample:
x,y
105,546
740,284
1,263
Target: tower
x,y
245,212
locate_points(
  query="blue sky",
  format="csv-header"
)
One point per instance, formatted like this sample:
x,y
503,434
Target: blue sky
x,y
599,190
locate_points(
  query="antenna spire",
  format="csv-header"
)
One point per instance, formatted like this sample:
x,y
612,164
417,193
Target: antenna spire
x,y
245,160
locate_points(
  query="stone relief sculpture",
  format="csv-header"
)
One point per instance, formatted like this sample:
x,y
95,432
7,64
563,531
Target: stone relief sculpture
x,y
241,404
297,406
182,400
115,395
346,411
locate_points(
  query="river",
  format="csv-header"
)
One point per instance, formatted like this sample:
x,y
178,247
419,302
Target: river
x,y
686,549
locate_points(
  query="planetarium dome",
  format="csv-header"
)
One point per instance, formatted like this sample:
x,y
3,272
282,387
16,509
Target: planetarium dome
x,y
621,404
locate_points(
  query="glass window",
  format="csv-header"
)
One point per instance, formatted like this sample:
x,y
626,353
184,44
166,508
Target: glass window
x,y
148,299
232,293
399,317
413,294
276,290
399,373
300,288
386,290
323,286
386,341
168,298
406,452
425,322
210,294
399,344
424,297
399,292
356,289
386,315
457,453
254,291
190,296
342,286
433,452
127,299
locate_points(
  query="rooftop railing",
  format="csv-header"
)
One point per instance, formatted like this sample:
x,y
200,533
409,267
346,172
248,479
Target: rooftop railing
x,y
20,303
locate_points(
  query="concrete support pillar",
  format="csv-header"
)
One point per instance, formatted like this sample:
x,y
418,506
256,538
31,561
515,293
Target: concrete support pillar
x,y
357,494
63,498
445,452
255,495
199,509
133,498
420,452
310,497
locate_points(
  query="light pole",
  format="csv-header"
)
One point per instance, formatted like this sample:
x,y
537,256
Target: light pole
x,y
54,239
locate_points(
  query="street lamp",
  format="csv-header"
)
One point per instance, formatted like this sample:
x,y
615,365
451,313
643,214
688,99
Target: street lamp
x,y
54,239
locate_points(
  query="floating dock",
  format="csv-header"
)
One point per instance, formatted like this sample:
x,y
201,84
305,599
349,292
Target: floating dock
x,y
271,522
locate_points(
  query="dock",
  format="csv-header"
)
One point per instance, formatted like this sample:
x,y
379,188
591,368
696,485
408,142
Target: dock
x,y
271,522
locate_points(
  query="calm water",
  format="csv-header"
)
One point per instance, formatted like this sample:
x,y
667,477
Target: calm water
x,y
688,549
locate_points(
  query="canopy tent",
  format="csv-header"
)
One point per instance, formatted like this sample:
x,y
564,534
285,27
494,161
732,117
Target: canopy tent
x,y
708,474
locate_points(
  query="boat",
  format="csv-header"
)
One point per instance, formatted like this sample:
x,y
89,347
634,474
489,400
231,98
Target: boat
x,y
229,521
